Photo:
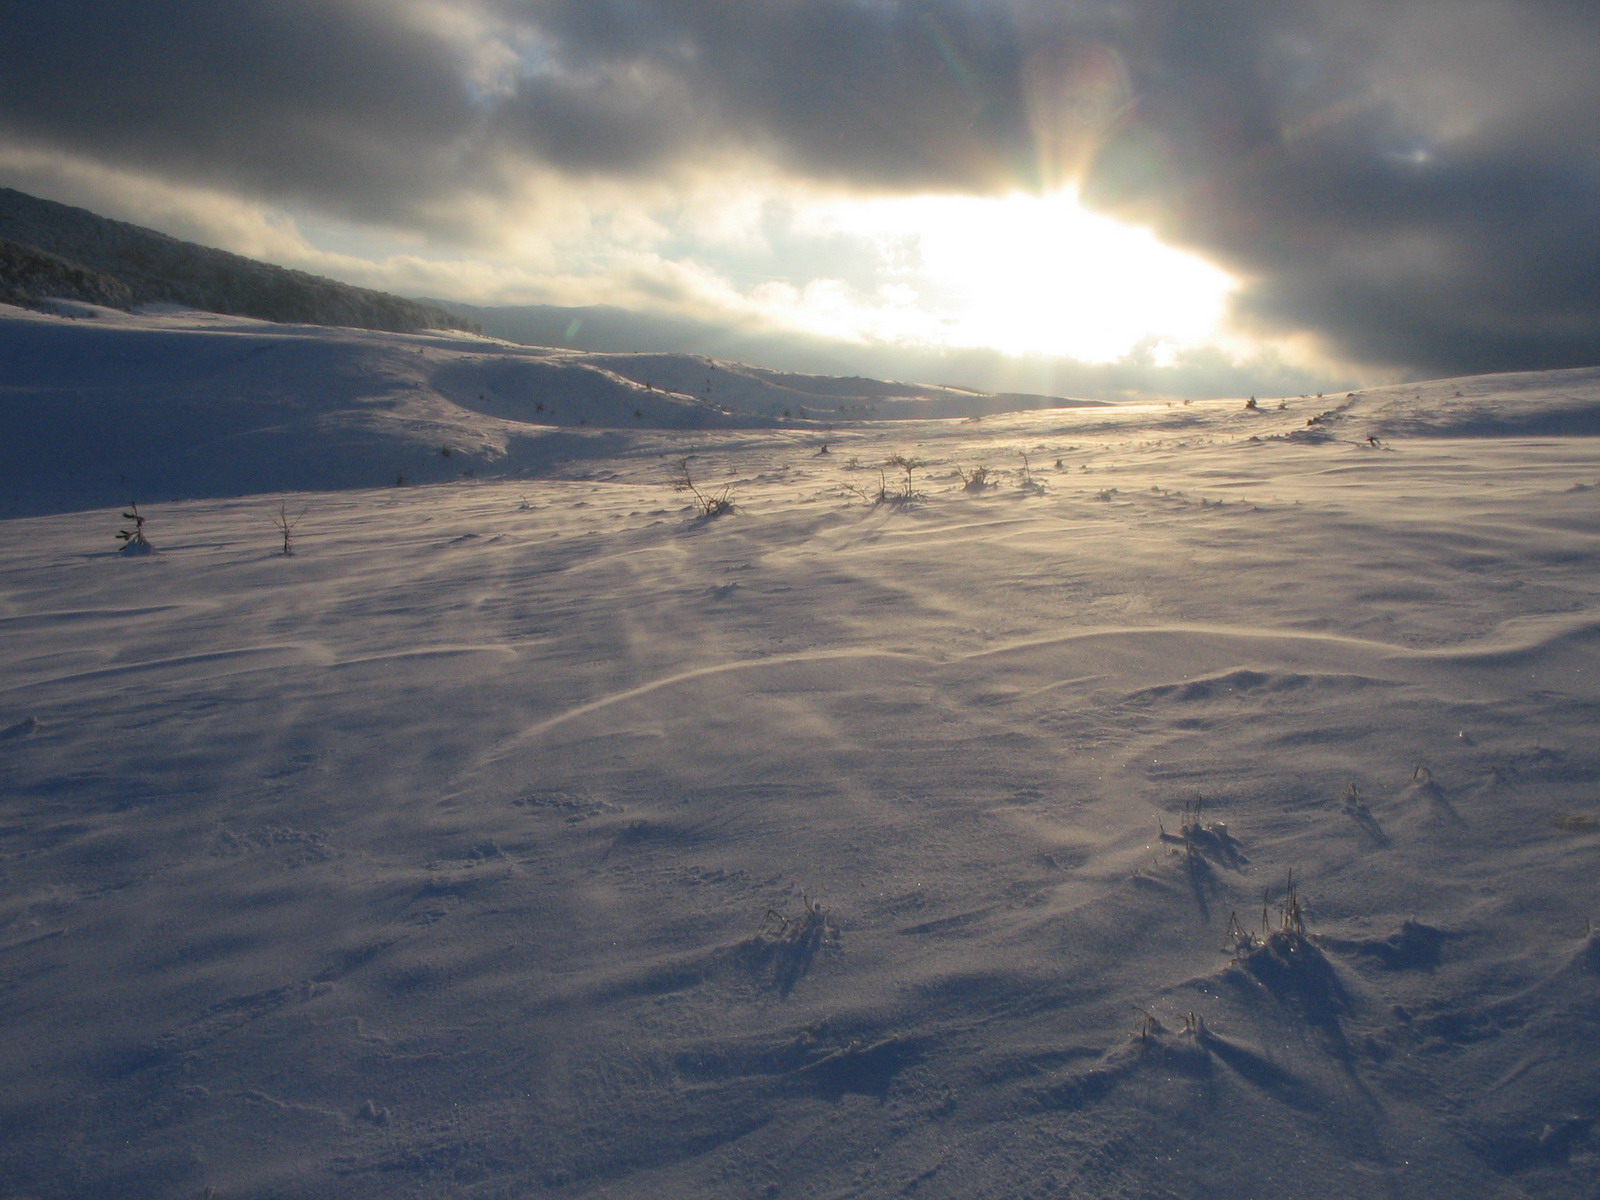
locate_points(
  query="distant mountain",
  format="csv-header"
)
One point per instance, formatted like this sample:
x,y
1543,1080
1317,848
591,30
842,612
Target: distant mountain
x,y
50,250
605,329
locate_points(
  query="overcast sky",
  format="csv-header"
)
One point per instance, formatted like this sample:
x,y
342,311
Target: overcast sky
x,y
1348,188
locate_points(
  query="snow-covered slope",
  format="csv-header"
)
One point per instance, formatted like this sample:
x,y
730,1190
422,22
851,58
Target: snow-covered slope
x,y
176,404
179,404
52,250
1527,404
1206,806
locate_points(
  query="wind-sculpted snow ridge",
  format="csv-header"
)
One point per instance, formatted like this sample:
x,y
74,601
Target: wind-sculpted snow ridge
x,y
1192,810
1527,404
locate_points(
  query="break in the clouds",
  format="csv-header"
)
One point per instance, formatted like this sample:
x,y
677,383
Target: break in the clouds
x,y
1395,184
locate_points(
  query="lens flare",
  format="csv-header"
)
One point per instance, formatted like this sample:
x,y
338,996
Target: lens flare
x,y
1076,93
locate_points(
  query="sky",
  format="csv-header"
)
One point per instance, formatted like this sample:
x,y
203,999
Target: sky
x,y
1245,195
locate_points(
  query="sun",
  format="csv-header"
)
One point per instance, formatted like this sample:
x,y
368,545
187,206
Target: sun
x,y
1030,275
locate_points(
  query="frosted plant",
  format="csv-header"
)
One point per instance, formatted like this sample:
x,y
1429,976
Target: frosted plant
x,y
133,540
974,480
710,503
286,525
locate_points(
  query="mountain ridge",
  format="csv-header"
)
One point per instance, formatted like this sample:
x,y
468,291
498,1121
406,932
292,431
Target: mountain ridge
x,y
48,249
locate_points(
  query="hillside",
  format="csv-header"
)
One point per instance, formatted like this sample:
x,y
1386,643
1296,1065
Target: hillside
x,y
30,276
171,405
82,251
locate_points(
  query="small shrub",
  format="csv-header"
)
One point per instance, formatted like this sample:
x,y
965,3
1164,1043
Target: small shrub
x,y
710,504
285,525
1199,839
1357,810
133,540
788,945
974,480
1288,932
907,494
1287,961
868,496
813,927
1025,479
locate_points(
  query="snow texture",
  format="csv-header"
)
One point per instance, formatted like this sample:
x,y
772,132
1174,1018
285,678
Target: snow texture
x,y
527,834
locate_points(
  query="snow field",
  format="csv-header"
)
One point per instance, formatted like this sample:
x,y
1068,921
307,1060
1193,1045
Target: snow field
x,y
474,850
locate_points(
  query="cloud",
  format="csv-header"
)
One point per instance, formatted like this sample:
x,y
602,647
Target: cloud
x,y
289,101
1414,188
1399,185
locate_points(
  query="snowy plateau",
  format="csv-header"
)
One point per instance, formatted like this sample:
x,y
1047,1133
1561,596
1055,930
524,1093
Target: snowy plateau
x,y
1085,801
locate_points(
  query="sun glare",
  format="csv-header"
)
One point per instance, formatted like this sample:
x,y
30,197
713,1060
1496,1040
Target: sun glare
x,y
1028,274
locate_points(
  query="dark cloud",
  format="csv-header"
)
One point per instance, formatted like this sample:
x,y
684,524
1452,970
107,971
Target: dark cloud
x,y
1417,188
1415,185
326,101
886,94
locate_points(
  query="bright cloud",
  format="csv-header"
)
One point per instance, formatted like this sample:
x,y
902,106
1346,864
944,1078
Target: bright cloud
x,y
1028,274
